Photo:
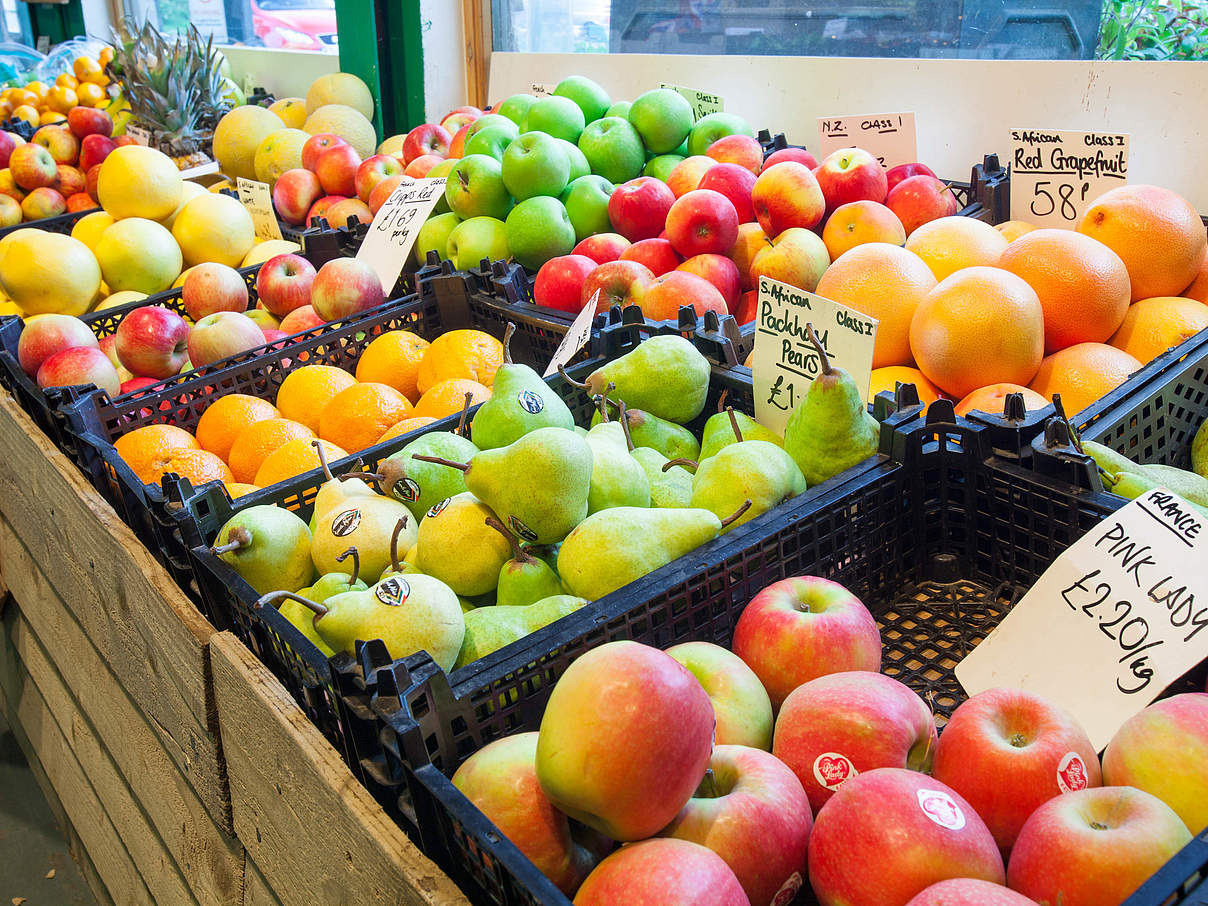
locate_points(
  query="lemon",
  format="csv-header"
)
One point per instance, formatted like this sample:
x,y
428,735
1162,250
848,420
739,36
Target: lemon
x,y
270,248
238,135
345,122
136,181
280,151
88,228
291,110
392,145
340,88
113,300
45,272
214,228
138,254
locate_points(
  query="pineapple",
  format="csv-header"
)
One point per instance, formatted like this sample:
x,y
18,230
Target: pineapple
x,y
174,88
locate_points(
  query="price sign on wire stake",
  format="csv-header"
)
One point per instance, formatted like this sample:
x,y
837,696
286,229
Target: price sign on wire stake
x,y
890,137
785,362
703,103
1116,618
259,203
576,337
140,135
1056,175
396,225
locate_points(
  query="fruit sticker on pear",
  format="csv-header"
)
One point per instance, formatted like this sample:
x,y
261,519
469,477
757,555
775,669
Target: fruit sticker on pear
x,y
345,522
530,402
396,226
393,591
438,508
889,137
941,808
406,489
256,197
522,530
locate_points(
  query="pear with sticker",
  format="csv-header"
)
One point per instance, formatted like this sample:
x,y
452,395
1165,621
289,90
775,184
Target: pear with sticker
x,y
366,523
520,402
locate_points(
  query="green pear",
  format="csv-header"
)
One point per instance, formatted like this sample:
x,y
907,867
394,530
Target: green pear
x,y
422,485
456,546
617,479
491,628
1108,459
366,523
670,488
730,427
1191,487
753,470
325,587
525,578
520,402
269,546
1199,451
831,429
664,375
646,430
334,491
1133,484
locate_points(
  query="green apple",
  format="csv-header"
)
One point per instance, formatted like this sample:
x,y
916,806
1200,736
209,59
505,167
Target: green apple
x,y
444,168
535,164
515,107
591,98
663,119
586,202
433,236
620,108
712,126
613,148
578,163
472,240
475,188
486,121
491,141
539,229
661,165
559,116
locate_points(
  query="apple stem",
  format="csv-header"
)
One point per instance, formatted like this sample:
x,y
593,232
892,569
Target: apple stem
x,y
442,462
721,400
356,564
729,520
518,553
691,463
238,539
398,530
708,785
507,343
318,445
734,423
465,409
276,597
625,424
570,380
822,356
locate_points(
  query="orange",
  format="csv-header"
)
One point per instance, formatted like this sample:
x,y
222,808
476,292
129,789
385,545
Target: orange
x,y
858,222
448,398
145,446
66,80
980,326
406,426
1083,374
304,393
993,399
1198,288
468,354
90,95
1082,284
1156,232
886,283
86,69
225,419
393,359
1154,325
237,489
199,466
105,57
61,98
1013,229
948,244
25,97
27,113
257,441
889,376
355,418
293,458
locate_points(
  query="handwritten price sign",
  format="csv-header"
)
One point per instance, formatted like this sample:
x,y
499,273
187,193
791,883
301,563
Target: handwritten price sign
x,y
890,137
703,103
1056,175
542,89
576,337
396,225
259,203
1116,618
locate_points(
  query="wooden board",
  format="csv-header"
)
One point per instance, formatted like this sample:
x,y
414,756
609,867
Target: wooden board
x,y
256,891
311,829
141,624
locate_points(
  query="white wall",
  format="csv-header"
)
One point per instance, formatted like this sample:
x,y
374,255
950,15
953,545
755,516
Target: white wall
x,y
964,107
284,73
444,57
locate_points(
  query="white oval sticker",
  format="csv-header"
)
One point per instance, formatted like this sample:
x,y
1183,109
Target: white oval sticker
x,y
941,808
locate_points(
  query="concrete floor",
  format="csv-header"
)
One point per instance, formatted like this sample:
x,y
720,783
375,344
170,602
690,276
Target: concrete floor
x,y
31,843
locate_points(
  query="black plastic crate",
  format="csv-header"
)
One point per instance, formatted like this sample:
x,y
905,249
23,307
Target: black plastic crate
x,y
1183,880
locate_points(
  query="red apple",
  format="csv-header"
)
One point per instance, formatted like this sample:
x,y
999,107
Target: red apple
x,y
602,247
79,365
638,209
751,239
85,121
1095,846
666,294
851,174
797,257
687,174
799,155
753,813
301,318
264,318
890,833
620,283
71,180
625,740
373,170
8,141
721,272
273,336
1008,751
151,341
457,147
284,283
321,207
920,199
222,335
94,149
419,167
741,707
344,287
43,202
663,871
135,384
293,194
734,182
843,724
347,209
656,254
559,282
91,177
80,201
426,138
212,287
314,147
382,191
895,175
742,150
122,140
456,120
787,195
62,145
32,166
45,336
337,170
108,345
800,628
969,892
702,222
748,307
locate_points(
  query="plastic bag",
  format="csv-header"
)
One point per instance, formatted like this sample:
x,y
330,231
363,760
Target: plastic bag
x,y
18,63
60,58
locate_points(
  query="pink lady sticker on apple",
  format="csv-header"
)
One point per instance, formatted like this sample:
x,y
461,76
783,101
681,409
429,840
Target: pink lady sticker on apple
x,y
1071,773
788,890
831,769
941,808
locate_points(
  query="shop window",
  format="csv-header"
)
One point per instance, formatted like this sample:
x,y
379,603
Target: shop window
x,y
308,25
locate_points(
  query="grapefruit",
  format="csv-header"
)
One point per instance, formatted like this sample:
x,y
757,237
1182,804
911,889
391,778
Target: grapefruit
x,y
340,88
345,122
860,222
88,228
238,135
1013,229
214,228
993,399
138,254
188,192
136,181
1154,325
1198,288
1083,374
48,272
280,151
948,244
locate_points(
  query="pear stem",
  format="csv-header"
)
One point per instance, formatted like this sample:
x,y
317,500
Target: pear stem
x,y
507,343
318,445
276,597
465,467
734,423
356,564
398,530
465,409
681,462
721,400
238,539
625,425
570,380
518,553
822,356
1074,439
737,514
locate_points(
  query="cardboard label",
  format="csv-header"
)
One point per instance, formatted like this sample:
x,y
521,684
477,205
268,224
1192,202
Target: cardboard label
x,y
889,137
576,337
258,200
1116,618
785,362
392,233
703,102
1056,175
140,135
542,89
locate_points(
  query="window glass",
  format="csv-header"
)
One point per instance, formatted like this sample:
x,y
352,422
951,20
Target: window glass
x,y
286,24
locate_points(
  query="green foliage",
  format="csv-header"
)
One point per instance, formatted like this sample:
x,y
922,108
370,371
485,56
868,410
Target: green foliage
x,y
1153,30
